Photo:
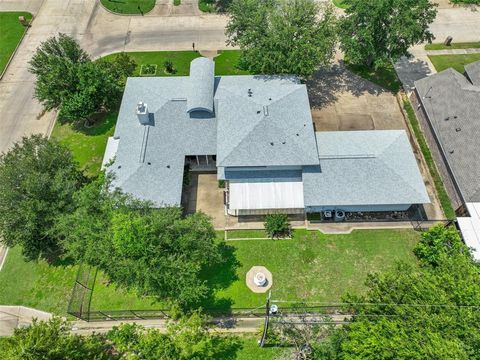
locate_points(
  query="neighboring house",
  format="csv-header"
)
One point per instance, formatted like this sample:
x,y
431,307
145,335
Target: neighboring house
x,y
257,133
450,112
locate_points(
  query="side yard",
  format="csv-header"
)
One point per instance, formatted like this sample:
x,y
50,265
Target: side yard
x,y
10,34
458,62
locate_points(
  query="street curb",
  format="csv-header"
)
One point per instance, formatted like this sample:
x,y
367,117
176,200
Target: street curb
x,y
18,45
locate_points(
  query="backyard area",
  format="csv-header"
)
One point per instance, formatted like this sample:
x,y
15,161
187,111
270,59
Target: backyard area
x,y
11,34
309,267
458,62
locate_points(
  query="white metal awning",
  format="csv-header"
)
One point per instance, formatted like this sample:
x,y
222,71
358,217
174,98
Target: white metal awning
x,y
470,228
266,195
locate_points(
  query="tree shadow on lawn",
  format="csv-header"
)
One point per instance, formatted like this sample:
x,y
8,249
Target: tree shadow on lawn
x,y
101,123
221,276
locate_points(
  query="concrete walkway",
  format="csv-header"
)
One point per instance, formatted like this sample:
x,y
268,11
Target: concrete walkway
x,y
12,317
453,51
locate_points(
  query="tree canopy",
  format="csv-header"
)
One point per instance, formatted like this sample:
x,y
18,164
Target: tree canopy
x,y
187,338
156,252
282,36
379,32
38,179
69,81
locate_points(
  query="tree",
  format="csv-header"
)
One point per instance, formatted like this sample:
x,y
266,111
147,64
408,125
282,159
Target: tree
x,y
156,252
69,81
55,64
437,243
277,225
52,340
38,179
414,312
379,32
186,338
282,36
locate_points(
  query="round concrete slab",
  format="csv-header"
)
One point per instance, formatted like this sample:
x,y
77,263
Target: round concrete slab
x,y
251,276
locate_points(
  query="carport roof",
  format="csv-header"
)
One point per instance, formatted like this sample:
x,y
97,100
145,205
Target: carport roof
x,y
364,168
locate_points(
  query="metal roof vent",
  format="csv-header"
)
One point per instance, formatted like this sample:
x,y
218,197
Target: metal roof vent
x,y
458,129
142,113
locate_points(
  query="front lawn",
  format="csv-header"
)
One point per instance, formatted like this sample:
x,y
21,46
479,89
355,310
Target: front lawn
x,y
10,35
458,62
228,63
384,76
465,45
87,144
129,6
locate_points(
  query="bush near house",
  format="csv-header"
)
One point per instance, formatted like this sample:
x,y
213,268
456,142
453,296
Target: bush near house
x,y
277,225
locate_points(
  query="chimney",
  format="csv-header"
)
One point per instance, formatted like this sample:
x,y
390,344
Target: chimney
x,y
142,113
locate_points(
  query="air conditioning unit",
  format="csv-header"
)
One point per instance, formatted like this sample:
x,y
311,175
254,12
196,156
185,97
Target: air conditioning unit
x,y
327,214
339,215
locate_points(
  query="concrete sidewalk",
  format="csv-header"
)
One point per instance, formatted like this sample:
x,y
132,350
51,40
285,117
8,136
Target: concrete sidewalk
x,y
453,51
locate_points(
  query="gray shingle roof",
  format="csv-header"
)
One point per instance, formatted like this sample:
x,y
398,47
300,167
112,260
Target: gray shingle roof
x,y
264,121
200,90
150,159
452,104
473,72
364,168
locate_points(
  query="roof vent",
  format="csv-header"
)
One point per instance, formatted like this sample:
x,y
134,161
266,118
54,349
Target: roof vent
x,y
451,151
250,92
272,143
142,113
458,129
447,118
265,110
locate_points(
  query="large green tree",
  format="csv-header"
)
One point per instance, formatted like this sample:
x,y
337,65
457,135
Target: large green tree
x,y
156,252
381,31
187,338
38,178
69,81
52,340
282,36
410,312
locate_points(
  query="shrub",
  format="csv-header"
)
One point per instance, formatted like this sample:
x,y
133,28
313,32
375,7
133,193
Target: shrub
x,y
277,225
168,64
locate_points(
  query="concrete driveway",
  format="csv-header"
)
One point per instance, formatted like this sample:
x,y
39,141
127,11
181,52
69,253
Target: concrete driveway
x,y
341,100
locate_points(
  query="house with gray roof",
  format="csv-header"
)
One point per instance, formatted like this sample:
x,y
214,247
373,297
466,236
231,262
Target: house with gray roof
x,y
449,110
257,134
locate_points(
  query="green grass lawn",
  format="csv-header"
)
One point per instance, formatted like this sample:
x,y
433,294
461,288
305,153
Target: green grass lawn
x,y
129,6
36,284
10,34
227,63
251,351
385,76
443,62
246,234
207,6
87,144
465,45
438,182
340,4
310,267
